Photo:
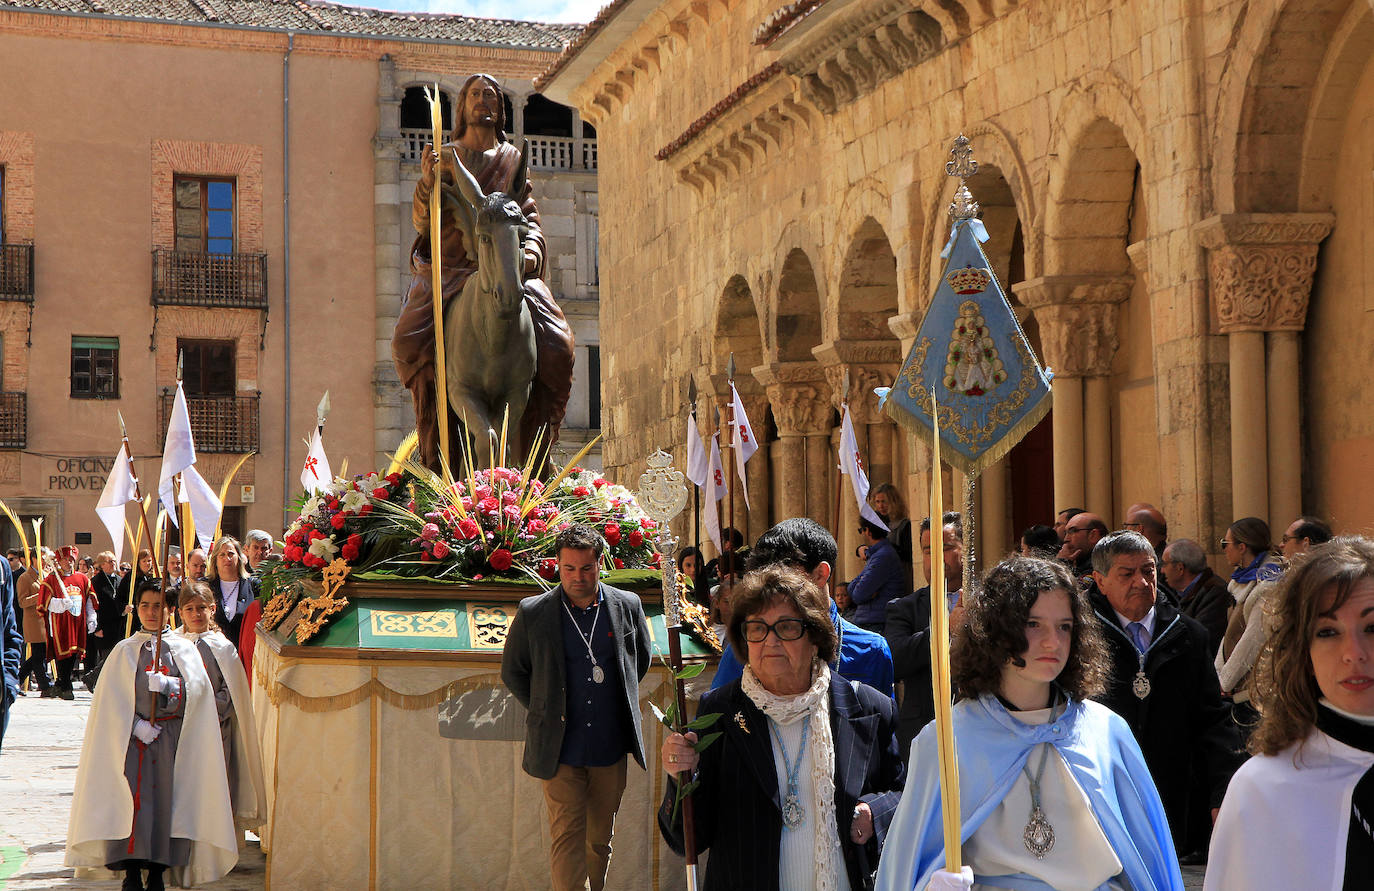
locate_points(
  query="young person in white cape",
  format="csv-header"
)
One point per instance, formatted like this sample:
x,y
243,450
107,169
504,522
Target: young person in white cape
x,y
1053,790
151,792
233,702
1298,814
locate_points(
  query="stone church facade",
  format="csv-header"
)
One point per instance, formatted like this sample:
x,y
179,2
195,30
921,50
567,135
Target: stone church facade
x,y
1180,199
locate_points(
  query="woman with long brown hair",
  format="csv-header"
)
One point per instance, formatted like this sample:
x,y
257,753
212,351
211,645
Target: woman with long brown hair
x,y
1297,814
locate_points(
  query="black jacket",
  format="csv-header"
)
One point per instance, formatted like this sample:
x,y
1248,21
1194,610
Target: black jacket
x,y
109,608
908,636
1183,714
532,668
738,807
247,593
1208,603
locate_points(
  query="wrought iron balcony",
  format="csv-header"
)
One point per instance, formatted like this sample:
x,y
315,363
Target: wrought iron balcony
x,y
16,272
192,278
218,423
14,420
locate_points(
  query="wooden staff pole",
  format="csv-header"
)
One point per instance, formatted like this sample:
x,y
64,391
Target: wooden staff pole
x,y
728,559
146,526
939,657
436,118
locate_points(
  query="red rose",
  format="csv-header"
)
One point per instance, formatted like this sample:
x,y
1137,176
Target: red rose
x,y
468,528
349,552
619,564
316,534
333,503
636,538
581,491
393,478
501,559
612,532
337,521
356,540
599,482
488,505
293,553
537,527
548,568
441,550
380,493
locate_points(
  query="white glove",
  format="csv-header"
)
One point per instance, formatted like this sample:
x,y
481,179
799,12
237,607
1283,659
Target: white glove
x,y
942,880
57,605
145,731
164,684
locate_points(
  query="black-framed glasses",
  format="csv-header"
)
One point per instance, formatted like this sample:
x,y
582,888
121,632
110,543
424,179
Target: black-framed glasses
x,y
1287,538
788,628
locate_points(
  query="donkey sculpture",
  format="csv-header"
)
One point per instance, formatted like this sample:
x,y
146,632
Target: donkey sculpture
x,y
489,335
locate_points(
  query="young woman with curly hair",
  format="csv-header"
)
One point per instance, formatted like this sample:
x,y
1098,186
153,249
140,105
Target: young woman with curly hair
x,y
1054,791
1297,815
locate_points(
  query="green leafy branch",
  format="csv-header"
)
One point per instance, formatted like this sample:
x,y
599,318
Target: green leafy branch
x,y
674,722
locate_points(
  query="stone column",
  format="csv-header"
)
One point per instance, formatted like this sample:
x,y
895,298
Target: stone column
x,y
917,482
995,535
1078,317
578,141
880,452
393,414
800,401
1259,272
820,497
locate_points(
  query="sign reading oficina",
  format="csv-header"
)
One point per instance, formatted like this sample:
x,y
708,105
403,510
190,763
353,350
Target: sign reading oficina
x,y
79,474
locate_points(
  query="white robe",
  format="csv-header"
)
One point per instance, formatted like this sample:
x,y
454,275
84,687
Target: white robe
x,y
103,806
1286,818
251,793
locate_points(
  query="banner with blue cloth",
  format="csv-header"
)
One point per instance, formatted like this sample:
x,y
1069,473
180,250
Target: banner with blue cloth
x,y
970,348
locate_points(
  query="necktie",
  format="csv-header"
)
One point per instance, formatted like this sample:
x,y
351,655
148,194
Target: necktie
x,y
1139,635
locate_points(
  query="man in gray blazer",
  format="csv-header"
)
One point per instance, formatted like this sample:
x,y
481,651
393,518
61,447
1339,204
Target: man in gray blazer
x,y
574,657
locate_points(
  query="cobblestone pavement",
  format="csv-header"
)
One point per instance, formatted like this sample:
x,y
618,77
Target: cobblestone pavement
x,y
37,772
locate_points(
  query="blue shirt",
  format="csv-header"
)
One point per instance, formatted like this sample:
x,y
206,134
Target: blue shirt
x,y
864,657
882,580
594,735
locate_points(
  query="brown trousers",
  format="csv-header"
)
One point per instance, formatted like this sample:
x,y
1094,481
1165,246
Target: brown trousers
x,y
582,802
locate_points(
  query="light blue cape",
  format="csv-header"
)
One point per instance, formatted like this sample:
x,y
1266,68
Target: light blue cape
x,y
992,745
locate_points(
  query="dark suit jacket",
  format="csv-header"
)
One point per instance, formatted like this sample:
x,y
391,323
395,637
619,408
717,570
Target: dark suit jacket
x,y
1208,603
247,593
738,807
908,636
1183,712
532,669
109,608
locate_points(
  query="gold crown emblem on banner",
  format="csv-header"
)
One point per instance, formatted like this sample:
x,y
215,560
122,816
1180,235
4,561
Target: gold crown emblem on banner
x,y
969,280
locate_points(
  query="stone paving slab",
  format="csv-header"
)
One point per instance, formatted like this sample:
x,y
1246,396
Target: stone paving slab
x,y
37,772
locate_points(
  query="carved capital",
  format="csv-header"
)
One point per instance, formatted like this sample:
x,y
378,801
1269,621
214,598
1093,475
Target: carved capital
x,y
1077,316
1260,267
863,403
800,408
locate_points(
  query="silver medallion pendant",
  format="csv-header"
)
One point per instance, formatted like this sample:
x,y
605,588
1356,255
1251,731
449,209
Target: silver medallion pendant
x,y
1039,834
598,675
1140,686
793,814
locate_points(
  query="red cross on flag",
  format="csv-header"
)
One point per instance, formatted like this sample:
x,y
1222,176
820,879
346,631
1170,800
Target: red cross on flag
x,y
745,444
715,491
315,475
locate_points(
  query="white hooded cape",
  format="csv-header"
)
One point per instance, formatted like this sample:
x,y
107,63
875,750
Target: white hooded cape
x,y
102,805
1286,817
251,793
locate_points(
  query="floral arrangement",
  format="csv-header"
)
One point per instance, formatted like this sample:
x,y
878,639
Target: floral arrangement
x,y
613,510
339,521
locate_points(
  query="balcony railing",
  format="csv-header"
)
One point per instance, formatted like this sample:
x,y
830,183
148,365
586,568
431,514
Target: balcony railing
x,y
14,420
218,423
191,278
546,152
16,272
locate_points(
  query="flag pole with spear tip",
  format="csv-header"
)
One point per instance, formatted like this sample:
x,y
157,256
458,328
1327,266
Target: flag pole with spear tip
x,y
146,527
696,490
839,471
436,118
726,535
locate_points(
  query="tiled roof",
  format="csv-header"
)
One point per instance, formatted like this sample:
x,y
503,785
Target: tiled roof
x,y
578,42
330,18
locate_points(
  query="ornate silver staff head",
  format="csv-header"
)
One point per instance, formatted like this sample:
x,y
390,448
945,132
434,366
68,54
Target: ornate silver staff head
x,y
663,495
962,165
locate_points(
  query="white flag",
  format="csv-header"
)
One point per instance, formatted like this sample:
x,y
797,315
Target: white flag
x,y
205,505
178,453
745,444
315,475
715,490
697,467
852,466
120,489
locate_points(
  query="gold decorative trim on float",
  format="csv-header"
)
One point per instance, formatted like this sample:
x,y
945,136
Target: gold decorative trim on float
x,y
315,610
388,623
278,607
488,624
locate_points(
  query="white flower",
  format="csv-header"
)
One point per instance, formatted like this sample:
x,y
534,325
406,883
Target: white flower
x,y
324,548
312,507
337,485
354,501
372,481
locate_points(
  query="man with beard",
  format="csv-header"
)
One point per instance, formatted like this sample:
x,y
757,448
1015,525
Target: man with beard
x,y
480,143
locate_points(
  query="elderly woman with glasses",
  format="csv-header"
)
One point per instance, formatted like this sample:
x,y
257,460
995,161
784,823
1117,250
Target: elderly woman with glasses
x,y
798,789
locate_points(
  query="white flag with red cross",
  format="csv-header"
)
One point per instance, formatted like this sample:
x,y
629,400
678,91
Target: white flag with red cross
x,y
316,475
852,466
715,491
744,442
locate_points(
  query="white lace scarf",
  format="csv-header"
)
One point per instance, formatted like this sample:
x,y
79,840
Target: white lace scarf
x,y
786,710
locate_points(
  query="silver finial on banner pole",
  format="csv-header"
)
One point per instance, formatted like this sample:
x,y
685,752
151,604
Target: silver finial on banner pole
x,y
962,165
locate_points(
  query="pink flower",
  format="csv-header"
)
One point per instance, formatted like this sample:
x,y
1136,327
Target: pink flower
x,y
430,532
537,527
441,550
511,512
501,559
599,482
507,497
482,493
488,505
468,528
581,491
